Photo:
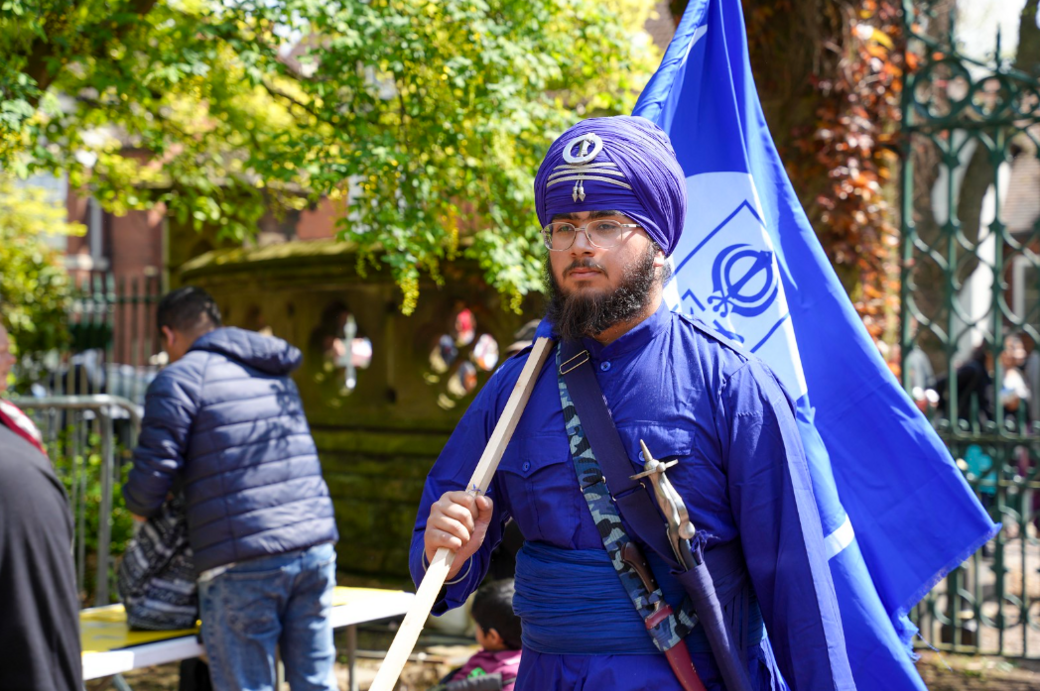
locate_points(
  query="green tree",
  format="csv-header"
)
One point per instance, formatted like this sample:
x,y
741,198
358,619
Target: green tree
x,y
34,287
428,117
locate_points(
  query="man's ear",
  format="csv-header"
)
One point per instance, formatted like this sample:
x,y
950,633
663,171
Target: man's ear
x,y
659,258
660,261
169,336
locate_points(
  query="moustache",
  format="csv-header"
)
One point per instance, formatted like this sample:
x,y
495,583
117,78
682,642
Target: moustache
x,y
584,264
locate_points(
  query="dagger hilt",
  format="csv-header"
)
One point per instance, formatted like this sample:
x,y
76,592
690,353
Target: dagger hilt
x,y
680,528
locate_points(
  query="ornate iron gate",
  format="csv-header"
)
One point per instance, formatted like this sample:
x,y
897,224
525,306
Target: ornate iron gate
x,y
970,299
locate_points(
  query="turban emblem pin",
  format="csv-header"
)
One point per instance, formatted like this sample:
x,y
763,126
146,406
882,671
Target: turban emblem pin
x,y
579,154
585,155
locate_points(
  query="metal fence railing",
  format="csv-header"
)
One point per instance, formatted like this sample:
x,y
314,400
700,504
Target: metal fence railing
x,y
115,316
114,344
87,438
970,281
991,603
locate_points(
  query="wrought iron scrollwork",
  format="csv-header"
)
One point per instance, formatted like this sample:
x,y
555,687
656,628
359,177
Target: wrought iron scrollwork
x,y
970,288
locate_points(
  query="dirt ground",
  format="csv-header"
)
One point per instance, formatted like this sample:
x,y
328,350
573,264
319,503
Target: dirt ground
x,y
947,672
435,656
940,672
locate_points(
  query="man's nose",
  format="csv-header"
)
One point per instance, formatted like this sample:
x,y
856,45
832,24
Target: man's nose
x,y
582,245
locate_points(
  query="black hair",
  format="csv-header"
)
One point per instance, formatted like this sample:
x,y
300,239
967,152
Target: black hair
x,y
183,309
493,609
980,352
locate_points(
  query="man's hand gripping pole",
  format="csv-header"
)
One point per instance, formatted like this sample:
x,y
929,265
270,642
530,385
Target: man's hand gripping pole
x,y
440,565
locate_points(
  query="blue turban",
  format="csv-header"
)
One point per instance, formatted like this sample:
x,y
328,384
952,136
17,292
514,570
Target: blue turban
x,y
621,163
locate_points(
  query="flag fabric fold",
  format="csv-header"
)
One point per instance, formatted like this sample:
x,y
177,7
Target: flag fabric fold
x,y
896,512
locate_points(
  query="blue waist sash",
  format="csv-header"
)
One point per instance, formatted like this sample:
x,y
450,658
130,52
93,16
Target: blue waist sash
x,y
572,602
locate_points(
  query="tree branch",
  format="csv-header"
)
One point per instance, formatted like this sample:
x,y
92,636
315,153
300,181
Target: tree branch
x,y
44,63
278,93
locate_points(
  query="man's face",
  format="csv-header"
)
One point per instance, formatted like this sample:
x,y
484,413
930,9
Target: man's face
x,y
7,360
1014,353
591,288
586,269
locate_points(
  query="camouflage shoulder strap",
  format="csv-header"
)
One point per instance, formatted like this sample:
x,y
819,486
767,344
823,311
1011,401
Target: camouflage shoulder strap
x,y
666,632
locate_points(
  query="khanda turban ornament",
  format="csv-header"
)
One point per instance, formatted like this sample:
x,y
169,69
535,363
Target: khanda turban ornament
x,y
582,167
622,163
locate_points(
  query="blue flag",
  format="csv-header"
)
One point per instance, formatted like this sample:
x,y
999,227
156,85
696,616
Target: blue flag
x,y
896,512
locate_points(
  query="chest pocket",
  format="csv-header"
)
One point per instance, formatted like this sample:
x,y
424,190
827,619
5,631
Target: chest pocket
x,y
665,443
536,477
699,481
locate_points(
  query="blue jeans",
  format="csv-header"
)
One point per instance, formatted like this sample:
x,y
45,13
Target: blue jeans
x,y
282,600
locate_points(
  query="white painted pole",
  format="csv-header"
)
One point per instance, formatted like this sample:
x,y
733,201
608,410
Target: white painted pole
x,y
437,573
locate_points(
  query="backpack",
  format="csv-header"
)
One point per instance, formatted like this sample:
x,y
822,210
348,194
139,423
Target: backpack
x,y
156,577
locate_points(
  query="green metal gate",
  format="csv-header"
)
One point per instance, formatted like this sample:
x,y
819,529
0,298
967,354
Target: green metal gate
x,y
114,342
971,310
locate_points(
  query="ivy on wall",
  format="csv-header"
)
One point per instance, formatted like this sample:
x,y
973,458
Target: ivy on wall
x,y
833,105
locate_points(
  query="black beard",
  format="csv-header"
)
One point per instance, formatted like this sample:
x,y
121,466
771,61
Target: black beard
x,y
579,315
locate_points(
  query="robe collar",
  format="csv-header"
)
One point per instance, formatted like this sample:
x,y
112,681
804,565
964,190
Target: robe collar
x,y
633,339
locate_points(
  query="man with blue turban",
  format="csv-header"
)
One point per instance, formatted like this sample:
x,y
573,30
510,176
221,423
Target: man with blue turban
x,y
612,202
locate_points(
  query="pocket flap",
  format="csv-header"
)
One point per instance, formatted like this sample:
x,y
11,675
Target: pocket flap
x,y
527,455
665,443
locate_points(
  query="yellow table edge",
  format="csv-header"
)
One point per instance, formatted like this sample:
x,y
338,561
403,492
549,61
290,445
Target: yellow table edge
x,y
103,629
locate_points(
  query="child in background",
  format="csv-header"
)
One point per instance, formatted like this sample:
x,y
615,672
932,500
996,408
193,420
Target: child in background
x,y
498,633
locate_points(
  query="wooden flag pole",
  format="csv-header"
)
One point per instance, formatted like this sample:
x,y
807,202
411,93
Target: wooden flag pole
x,y
440,565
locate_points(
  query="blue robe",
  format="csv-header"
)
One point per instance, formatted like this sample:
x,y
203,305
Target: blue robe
x,y
693,396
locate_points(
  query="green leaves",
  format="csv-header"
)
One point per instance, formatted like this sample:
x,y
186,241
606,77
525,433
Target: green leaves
x,y
34,287
429,117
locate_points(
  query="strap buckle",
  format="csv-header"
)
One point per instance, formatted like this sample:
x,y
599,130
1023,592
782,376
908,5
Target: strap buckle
x,y
566,367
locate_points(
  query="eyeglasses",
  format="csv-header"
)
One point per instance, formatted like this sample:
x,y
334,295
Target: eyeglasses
x,y
603,234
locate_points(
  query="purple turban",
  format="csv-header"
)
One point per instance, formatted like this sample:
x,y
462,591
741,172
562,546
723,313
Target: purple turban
x,y
621,163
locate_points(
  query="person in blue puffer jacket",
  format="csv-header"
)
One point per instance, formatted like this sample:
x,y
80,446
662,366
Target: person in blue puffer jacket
x,y
223,423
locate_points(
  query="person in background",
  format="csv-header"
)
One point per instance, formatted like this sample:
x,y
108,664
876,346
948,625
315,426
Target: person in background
x,y
498,633
1032,376
920,375
974,384
1014,393
39,605
225,424
10,414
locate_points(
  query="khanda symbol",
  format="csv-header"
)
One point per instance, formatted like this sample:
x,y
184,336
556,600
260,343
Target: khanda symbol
x,y
583,157
743,281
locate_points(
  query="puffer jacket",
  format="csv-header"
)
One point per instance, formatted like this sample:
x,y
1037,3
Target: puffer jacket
x,y
225,424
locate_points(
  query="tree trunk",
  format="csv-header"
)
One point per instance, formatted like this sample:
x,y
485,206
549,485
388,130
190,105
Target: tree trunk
x,y
1028,57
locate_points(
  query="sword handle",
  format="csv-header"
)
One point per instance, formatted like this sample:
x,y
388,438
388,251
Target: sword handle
x,y
633,557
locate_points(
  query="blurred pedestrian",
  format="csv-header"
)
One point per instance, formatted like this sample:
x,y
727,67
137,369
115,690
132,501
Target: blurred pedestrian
x,y
917,366
10,414
1014,393
1032,375
974,386
39,605
224,422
